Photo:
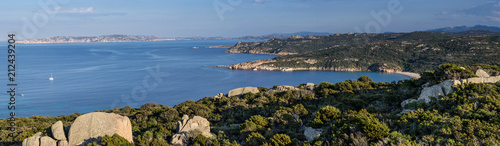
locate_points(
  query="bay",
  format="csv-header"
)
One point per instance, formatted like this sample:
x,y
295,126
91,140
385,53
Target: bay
x,y
102,76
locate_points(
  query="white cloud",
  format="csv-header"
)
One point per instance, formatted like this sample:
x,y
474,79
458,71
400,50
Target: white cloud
x,y
81,10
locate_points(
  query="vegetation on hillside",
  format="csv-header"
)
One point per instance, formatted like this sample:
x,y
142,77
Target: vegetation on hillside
x,y
358,112
414,52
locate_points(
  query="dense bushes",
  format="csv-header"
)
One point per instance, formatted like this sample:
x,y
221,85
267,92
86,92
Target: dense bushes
x,y
324,115
354,112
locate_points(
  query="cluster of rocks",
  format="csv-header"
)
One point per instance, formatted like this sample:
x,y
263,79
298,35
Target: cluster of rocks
x,y
255,90
187,126
445,88
239,91
87,128
59,137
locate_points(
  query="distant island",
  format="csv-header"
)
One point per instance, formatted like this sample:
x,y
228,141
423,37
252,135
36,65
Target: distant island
x,y
95,39
145,38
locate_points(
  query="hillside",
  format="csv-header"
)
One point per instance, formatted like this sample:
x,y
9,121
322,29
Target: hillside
x,y
414,52
354,112
458,29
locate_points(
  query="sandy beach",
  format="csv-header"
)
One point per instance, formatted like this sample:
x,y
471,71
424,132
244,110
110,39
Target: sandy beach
x,y
411,74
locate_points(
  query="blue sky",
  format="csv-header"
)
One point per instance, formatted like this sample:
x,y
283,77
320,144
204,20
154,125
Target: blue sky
x,y
233,18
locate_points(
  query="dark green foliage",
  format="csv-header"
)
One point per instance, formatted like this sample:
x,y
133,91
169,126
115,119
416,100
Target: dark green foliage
x,y
115,140
201,140
170,115
255,139
193,109
353,112
415,52
300,110
255,123
281,140
365,79
324,115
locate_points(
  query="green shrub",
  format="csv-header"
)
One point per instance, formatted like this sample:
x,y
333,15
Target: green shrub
x,y
255,138
281,140
365,79
201,140
255,123
114,140
325,114
300,110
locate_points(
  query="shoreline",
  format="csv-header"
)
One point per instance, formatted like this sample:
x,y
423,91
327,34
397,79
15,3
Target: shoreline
x,y
410,74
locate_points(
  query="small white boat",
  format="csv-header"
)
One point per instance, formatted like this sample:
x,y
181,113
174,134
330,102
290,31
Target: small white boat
x,y
51,78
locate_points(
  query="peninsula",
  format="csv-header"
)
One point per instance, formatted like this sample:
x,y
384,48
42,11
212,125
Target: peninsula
x,y
390,52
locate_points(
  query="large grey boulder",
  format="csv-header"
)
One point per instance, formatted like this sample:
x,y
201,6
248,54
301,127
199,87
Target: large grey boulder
x,y
310,86
312,133
63,143
239,91
443,89
93,126
220,95
481,73
33,140
58,131
47,141
186,126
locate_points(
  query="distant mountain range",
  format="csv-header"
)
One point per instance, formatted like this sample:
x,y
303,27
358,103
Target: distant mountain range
x,y
457,30
262,37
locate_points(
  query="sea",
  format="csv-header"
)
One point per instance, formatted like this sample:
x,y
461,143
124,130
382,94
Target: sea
x,y
102,76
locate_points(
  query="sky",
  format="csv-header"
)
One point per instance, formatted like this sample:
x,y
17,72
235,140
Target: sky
x,y
31,19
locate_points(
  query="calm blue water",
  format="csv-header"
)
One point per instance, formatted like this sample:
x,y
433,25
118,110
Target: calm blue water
x,y
99,76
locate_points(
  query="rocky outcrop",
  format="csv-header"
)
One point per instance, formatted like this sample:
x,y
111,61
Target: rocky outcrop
x,y
486,80
220,95
63,143
85,129
33,140
296,37
47,141
445,88
58,131
310,86
282,88
285,88
186,126
482,74
312,133
93,126
384,68
239,91
39,140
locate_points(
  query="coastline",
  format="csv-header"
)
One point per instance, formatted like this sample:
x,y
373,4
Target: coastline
x,y
410,74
